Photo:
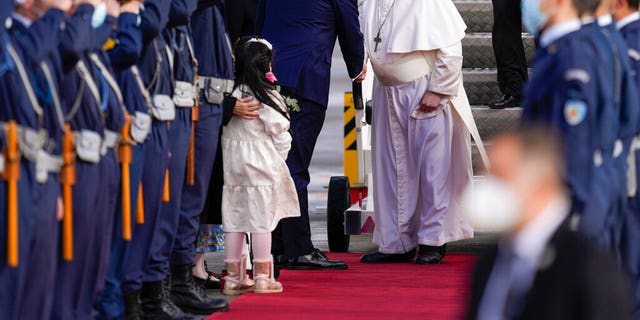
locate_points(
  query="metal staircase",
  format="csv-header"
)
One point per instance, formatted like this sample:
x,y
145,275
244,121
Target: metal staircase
x,y
480,71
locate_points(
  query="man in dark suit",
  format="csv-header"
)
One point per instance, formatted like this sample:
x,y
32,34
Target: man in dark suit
x,y
240,17
509,52
304,34
541,269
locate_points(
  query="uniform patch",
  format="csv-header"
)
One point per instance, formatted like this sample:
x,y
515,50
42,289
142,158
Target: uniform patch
x,y
577,74
575,111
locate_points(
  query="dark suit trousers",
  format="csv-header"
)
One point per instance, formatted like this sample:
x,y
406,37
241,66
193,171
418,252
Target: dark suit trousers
x,y
507,46
292,237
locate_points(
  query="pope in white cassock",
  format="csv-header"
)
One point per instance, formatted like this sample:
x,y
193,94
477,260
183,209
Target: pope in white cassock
x,y
422,128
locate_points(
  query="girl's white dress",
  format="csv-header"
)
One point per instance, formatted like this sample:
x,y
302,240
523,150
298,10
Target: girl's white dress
x,y
258,189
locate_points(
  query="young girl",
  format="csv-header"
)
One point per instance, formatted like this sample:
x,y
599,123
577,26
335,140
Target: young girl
x,y
258,189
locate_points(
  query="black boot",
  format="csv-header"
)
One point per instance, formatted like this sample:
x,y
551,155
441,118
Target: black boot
x,y
431,254
191,297
155,302
132,305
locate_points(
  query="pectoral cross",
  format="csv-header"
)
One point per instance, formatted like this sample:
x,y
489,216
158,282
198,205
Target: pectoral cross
x,y
377,40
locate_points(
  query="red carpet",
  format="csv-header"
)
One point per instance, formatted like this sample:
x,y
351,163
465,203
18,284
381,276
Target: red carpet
x,y
365,291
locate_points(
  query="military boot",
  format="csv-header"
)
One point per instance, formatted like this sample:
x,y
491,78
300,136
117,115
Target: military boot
x,y
190,296
155,303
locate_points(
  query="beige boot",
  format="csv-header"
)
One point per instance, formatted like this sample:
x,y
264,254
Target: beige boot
x,y
263,277
236,282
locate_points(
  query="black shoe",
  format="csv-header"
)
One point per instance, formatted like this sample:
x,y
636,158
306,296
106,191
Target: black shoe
x,y
131,305
430,254
189,296
506,101
155,302
316,260
379,257
211,282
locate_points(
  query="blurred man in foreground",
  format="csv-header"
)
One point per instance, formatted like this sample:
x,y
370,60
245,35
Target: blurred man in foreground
x,y
541,269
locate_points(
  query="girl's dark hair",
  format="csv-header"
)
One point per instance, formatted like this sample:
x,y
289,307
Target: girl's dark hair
x,y
252,60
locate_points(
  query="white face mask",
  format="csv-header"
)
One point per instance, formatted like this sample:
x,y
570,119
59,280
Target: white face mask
x,y
99,15
492,205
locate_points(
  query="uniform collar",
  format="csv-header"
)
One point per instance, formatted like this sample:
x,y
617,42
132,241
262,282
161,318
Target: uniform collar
x,y
627,20
605,20
530,242
21,19
558,31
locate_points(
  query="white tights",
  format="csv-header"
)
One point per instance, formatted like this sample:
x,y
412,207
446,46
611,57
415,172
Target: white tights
x,y
260,243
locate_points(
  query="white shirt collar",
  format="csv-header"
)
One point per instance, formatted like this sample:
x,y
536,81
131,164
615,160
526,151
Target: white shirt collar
x,y
605,20
557,31
627,20
22,19
530,242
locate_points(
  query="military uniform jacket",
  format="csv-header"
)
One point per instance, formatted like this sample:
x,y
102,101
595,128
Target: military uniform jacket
x,y
563,93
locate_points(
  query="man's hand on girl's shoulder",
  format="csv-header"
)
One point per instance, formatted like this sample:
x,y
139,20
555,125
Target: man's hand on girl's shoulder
x,y
247,108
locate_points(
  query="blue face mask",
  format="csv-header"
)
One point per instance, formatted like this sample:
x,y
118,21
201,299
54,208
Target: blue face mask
x,y
99,15
532,18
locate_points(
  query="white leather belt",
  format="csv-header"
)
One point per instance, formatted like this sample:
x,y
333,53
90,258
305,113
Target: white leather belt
x,y
31,141
111,140
47,163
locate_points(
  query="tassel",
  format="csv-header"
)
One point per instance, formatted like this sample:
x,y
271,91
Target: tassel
x,y
125,156
140,211
68,179
11,175
191,155
166,197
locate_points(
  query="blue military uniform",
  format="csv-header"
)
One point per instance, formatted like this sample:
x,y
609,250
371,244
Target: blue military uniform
x,y
114,112
564,93
178,38
303,34
43,45
630,247
123,56
215,74
18,107
155,73
617,121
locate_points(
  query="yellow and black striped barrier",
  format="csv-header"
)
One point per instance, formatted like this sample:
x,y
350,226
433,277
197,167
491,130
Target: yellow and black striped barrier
x,y
350,140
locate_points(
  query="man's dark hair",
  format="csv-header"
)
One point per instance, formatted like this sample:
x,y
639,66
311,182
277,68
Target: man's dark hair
x,y
633,4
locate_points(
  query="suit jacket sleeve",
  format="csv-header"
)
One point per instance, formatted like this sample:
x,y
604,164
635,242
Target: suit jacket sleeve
x,y
260,17
349,35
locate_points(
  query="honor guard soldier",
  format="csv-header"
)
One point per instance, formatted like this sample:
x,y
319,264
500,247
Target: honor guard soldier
x,y
47,48
628,22
124,49
153,70
569,100
27,186
627,105
185,293
616,122
96,115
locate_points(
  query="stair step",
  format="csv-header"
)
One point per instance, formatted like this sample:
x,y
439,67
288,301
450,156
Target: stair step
x,y
491,122
477,49
481,86
477,14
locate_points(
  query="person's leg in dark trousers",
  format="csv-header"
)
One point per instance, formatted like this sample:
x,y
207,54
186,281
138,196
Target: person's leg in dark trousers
x,y
188,295
292,237
160,255
111,302
509,52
